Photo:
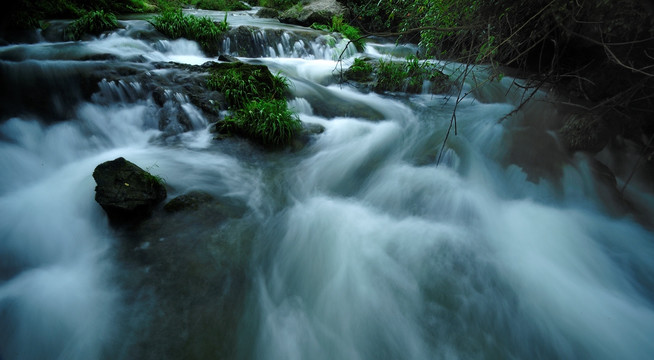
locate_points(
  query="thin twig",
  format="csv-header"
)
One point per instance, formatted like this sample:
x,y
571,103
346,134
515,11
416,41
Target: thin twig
x,y
523,103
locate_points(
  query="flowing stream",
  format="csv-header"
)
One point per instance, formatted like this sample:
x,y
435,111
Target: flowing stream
x,y
356,245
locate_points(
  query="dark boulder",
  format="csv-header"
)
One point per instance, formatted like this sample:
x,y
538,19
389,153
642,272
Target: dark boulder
x,y
125,191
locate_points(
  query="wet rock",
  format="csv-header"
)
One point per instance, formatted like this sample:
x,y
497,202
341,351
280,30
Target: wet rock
x,y
228,58
331,104
267,13
319,11
584,132
193,265
189,201
361,74
126,192
305,135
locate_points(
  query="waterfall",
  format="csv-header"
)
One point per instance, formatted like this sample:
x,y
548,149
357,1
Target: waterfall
x,y
357,245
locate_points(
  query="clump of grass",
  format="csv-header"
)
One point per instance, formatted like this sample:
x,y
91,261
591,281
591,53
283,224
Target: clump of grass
x,y
278,4
174,24
257,99
242,83
360,71
92,22
348,31
268,122
409,76
222,5
154,177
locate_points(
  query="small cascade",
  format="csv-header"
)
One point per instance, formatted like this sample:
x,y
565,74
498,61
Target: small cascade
x,y
117,91
246,41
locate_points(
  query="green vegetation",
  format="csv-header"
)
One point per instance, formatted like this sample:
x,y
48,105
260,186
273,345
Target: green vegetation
x,y
153,177
174,24
93,22
26,14
268,122
257,100
409,76
278,4
360,71
348,31
242,83
222,5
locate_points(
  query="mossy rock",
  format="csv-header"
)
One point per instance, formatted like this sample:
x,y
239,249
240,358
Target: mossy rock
x,y
126,192
584,132
361,71
409,76
318,11
268,13
242,83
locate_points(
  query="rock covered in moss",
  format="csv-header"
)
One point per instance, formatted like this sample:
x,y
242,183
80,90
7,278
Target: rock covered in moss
x,y
267,13
126,192
318,11
584,132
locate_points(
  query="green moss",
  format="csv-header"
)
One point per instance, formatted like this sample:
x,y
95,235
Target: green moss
x,y
93,22
174,24
267,122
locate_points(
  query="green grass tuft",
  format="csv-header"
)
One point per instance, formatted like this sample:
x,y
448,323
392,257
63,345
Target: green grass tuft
x,y
409,76
93,22
348,31
242,83
257,99
174,24
268,122
360,71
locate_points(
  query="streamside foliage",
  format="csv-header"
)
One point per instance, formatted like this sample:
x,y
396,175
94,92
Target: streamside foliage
x,y
93,23
175,24
348,31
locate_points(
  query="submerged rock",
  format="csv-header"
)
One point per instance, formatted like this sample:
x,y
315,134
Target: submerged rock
x,y
126,192
305,135
189,201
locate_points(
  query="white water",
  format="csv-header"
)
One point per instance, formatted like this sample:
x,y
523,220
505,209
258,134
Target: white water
x,y
363,248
